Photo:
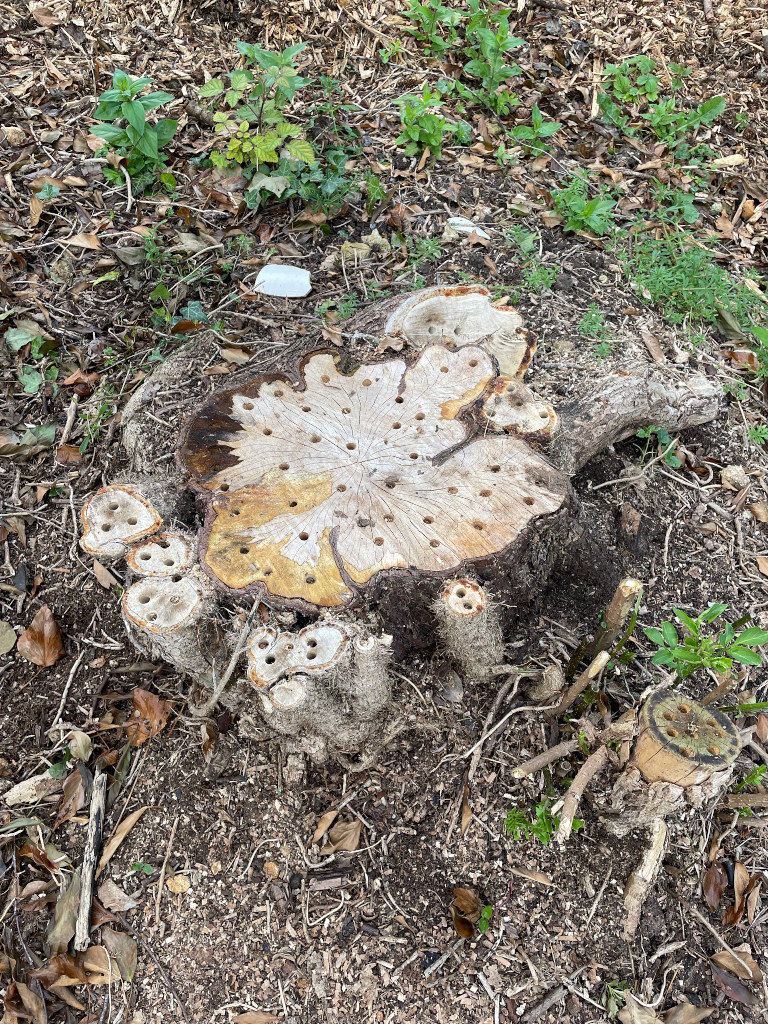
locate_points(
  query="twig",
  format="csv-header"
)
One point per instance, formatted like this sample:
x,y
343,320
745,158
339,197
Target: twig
x,y
67,685
626,598
719,938
90,857
442,959
127,177
709,14
514,711
71,413
582,682
621,730
205,709
643,471
584,776
513,681
159,895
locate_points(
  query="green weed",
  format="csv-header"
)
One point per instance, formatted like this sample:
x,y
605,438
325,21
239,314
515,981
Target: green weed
x,y
423,128
433,25
532,136
484,922
582,213
754,778
659,438
593,325
542,826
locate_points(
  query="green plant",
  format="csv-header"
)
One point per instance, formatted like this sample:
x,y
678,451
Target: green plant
x,y
632,81
324,186
700,650
136,140
422,127
251,119
754,778
543,825
674,205
758,435
94,416
538,277
612,997
434,25
484,922
141,868
663,442
671,125
46,370
375,192
740,120
532,136
580,212
388,53
343,308
686,281
421,250
486,43
593,325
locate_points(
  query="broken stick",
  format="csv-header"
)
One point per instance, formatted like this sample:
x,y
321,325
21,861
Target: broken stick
x,y
90,859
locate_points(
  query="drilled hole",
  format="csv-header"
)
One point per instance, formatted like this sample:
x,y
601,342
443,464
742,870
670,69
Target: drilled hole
x,y
106,527
378,541
672,733
314,439
306,408
367,383
473,362
684,708
132,521
310,580
266,431
495,469
413,455
396,426
311,655
176,578
351,446
428,519
144,600
279,394
388,518
400,401
453,490
443,369
715,751
152,616
485,494
248,405
345,410
243,551
518,404
263,645
419,416
390,484
270,659
478,526
509,388
461,592
168,561
687,751
113,506
303,536
529,500
284,466
467,605
235,512
267,572
341,487
669,717
325,378
292,504
224,487
145,556
434,543
544,415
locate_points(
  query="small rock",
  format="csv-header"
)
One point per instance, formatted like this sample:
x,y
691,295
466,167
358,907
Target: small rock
x,y
283,280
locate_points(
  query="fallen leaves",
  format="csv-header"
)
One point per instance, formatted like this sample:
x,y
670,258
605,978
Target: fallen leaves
x,y
738,961
41,641
7,637
732,987
715,884
343,837
85,240
64,917
178,884
117,837
255,1017
466,912
150,716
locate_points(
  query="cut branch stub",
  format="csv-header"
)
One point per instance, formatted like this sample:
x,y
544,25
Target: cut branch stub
x,y
682,742
459,315
469,628
511,406
166,554
315,488
115,518
316,648
160,604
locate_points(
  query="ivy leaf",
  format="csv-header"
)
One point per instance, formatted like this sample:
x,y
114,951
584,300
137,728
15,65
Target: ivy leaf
x,y
30,380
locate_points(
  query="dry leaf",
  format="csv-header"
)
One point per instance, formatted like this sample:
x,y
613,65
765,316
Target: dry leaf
x,y
117,837
466,811
64,917
255,1017
114,898
103,576
323,825
32,1003
68,455
41,641
687,1013
99,966
61,966
178,884
78,377
123,949
651,342
466,912
343,836
150,716
762,564
732,987
533,876
271,870
80,745
475,238
85,240
7,637
732,160
715,884
745,967
760,511
635,1013
761,728
73,798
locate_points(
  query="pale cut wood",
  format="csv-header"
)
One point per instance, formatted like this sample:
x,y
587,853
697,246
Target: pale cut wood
x,y
640,881
90,859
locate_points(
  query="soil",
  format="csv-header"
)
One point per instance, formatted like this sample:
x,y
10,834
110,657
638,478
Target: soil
x,y
269,922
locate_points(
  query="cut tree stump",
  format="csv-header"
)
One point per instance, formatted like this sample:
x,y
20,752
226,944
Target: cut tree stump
x,y
365,498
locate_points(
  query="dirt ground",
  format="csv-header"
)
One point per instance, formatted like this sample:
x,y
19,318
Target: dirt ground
x,y
268,923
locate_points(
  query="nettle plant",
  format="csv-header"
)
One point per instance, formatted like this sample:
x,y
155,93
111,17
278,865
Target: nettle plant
x,y
124,128
251,121
700,649
425,128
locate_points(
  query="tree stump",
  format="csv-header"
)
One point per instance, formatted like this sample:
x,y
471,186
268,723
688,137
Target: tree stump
x,y
363,498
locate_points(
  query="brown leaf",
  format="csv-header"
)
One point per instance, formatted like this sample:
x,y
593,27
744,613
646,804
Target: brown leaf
x,y
345,835
124,950
744,967
85,240
36,207
78,377
117,837
44,17
8,638
64,917
178,884
687,1013
68,455
32,1003
466,811
715,884
41,641
753,899
466,912
38,856
743,359
732,987
473,238
760,511
762,564
255,1017
114,898
100,967
761,728
150,716
635,1013
399,217
103,576
60,966
741,884
651,342
73,798
323,825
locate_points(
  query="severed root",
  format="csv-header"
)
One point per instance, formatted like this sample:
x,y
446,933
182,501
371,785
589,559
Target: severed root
x,y
547,685
619,730
469,628
630,399
121,515
584,776
616,614
325,686
682,742
171,617
642,878
578,687
510,406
